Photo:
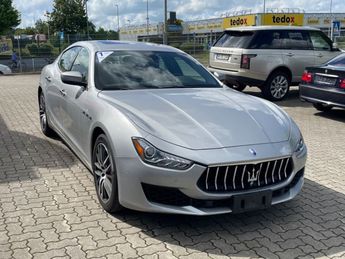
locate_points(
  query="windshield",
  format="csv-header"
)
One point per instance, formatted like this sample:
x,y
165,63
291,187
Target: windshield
x,y
129,70
338,61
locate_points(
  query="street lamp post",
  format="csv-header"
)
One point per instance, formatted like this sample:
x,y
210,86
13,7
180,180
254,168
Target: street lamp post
x,y
47,14
165,31
147,17
118,18
264,6
331,18
87,20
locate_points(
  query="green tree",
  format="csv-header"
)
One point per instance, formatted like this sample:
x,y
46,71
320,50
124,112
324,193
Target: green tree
x,y
69,16
27,31
41,27
9,16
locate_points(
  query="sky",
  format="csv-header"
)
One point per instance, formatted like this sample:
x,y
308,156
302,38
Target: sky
x,y
133,12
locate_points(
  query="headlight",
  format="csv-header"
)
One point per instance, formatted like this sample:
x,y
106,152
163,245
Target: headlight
x,y
300,146
153,156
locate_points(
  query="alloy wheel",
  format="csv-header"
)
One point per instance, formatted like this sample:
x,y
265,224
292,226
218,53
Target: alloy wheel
x,y
279,86
43,114
103,172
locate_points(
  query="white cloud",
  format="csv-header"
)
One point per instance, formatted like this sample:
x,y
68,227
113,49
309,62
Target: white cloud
x,y
103,12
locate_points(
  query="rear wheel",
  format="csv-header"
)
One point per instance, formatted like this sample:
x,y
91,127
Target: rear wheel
x,y
277,86
322,107
46,129
103,167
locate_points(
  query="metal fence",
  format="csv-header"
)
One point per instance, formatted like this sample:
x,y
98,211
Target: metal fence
x,y
33,55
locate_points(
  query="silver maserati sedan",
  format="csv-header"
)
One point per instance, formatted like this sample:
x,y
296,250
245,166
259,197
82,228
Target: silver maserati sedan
x,y
162,134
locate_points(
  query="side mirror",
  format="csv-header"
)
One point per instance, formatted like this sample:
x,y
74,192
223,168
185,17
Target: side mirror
x,y
73,78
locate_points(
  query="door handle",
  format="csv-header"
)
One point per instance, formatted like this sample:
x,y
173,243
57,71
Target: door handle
x,y
63,92
290,54
48,78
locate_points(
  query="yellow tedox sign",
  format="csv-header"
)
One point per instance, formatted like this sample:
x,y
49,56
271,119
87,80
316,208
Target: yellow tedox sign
x,y
283,19
236,21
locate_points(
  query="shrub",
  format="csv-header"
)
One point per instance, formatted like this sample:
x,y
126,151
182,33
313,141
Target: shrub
x,y
44,49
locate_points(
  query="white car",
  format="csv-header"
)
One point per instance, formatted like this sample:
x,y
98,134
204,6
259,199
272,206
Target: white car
x,y
4,70
270,57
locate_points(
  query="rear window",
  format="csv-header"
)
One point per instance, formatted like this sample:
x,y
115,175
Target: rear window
x,y
235,39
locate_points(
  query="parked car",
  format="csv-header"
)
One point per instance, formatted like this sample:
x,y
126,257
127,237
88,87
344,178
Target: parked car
x,y
270,57
5,70
324,86
162,134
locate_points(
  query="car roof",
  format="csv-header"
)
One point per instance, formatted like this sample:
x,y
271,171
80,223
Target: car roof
x,y
110,45
272,27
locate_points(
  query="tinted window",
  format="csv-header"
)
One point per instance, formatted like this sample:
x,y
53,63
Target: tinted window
x,y
126,70
67,59
235,39
297,40
319,41
338,61
267,40
81,63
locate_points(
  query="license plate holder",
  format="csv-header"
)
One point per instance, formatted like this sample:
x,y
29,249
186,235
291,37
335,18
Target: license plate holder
x,y
223,57
252,201
322,80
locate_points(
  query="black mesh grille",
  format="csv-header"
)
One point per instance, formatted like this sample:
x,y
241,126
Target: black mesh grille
x,y
245,176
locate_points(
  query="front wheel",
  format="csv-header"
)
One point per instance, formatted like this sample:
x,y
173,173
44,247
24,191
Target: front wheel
x,y
277,86
103,167
322,107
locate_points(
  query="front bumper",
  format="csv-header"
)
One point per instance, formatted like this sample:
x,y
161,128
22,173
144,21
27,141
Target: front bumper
x,y
183,196
327,95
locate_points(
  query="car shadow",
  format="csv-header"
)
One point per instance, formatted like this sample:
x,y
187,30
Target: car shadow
x,y
292,100
334,114
22,155
312,222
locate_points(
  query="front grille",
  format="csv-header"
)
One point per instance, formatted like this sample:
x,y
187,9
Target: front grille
x,y
245,176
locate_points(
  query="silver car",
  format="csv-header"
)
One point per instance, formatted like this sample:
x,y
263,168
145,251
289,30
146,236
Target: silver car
x,y
270,57
5,70
162,134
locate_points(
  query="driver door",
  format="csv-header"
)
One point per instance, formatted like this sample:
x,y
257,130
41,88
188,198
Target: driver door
x,y
76,101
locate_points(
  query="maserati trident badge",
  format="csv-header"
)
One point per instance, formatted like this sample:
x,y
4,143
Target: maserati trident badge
x,y
253,176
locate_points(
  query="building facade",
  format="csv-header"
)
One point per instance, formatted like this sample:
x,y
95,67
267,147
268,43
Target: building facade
x,y
208,30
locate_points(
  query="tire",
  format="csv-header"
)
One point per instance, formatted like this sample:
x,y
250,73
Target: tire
x,y
45,128
105,176
322,107
238,86
277,86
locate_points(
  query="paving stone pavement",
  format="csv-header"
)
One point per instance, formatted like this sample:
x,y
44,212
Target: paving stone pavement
x,y
49,209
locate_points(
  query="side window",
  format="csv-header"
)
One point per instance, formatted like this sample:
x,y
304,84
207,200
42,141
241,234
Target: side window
x,y
81,63
188,71
319,41
67,58
267,40
297,40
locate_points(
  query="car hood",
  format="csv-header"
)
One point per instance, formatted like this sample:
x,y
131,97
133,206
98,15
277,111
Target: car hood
x,y
202,118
